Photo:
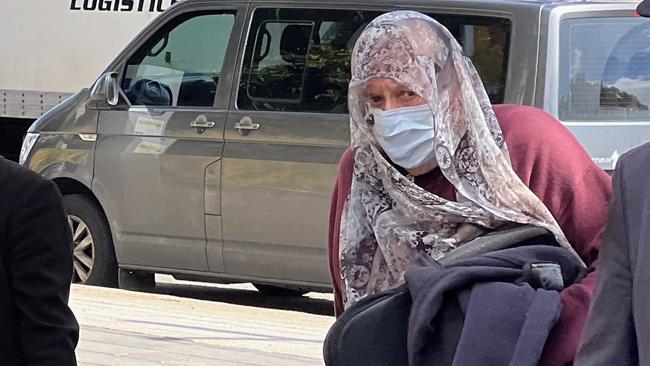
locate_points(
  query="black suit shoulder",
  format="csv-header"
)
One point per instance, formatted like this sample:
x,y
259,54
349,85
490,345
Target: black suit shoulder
x,y
632,183
634,173
15,178
20,187
637,157
19,184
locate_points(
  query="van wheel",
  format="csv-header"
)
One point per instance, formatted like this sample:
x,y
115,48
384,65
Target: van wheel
x,y
278,291
136,280
94,254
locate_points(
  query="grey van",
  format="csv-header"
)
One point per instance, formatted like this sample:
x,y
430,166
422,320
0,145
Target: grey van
x,y
208,149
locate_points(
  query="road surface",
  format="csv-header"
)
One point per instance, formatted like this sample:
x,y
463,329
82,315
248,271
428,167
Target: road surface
x,y
141,329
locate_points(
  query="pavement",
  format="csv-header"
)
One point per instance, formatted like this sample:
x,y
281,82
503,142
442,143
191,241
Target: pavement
x,y
140,329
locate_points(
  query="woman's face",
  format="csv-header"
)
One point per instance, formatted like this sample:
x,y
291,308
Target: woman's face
x,y
387,94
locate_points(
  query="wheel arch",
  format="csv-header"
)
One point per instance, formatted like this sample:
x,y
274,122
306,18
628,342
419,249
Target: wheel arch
x,y
84,208
69,186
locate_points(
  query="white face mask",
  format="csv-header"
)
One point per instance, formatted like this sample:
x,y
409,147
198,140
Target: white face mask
x,y
406,135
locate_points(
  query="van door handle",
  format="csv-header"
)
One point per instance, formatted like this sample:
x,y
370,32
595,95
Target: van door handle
x,y
246,125
201,123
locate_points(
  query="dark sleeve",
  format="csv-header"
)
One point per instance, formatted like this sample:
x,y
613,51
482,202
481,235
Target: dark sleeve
x,y
40,267
609,336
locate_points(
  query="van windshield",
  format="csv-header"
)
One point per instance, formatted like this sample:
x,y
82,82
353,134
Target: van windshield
x,y
604,69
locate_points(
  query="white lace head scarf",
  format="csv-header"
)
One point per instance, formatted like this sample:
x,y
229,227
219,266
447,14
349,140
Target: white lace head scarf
x,y
388,218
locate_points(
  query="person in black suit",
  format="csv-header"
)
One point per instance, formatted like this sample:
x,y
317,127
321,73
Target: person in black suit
x,y
36,325
643,9
617,331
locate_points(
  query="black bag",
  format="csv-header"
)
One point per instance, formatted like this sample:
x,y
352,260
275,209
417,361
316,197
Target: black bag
x,y
373,331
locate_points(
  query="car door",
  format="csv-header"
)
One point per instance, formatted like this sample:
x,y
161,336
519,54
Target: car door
x,y
158,152
284,137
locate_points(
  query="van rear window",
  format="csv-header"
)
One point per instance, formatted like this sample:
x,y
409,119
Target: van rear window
x,y
604,69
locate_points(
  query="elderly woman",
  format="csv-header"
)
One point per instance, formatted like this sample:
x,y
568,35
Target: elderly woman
x,y
433,164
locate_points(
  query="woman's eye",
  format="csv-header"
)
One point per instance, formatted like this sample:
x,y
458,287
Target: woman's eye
x,y
411,94
376,99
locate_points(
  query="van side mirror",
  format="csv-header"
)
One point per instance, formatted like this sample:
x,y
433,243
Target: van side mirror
x,y
106,89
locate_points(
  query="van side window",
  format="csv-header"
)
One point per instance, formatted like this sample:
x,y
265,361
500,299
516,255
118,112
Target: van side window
x,y
181,64
604,70
299,59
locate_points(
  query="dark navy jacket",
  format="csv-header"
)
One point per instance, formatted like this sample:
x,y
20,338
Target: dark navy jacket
x,y
492,309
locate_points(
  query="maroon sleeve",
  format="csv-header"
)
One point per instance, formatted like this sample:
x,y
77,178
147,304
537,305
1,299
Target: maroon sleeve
x,y
549,159
339,196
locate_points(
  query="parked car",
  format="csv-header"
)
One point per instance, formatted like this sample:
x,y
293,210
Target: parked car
x,y
209,147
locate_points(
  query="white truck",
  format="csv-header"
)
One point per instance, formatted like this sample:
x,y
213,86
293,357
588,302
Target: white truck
x,y
52,49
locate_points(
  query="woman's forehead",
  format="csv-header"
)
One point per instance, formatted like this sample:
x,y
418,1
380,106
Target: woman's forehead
x,y
397,46
381,84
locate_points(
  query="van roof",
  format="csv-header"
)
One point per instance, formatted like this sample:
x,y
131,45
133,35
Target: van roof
x,y
438,3
432,2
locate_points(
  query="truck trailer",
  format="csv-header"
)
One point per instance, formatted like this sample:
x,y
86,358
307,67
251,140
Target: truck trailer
x,y
51,49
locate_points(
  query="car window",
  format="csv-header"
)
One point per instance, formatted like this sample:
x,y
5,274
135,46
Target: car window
x,y
181,64
299,59
280,58
604,70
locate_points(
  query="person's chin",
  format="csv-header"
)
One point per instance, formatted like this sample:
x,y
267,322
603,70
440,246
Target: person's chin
x,y
424,169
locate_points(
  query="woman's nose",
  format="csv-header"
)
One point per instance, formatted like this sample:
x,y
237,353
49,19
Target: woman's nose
x,y
389,104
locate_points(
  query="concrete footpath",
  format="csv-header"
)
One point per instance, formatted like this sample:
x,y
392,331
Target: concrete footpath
x,y
141,329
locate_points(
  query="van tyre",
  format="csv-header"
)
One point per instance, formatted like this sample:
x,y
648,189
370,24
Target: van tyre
x,y
278,291
136,280
94,253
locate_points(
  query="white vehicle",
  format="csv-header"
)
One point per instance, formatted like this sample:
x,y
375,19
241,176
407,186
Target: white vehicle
x,y
52,49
